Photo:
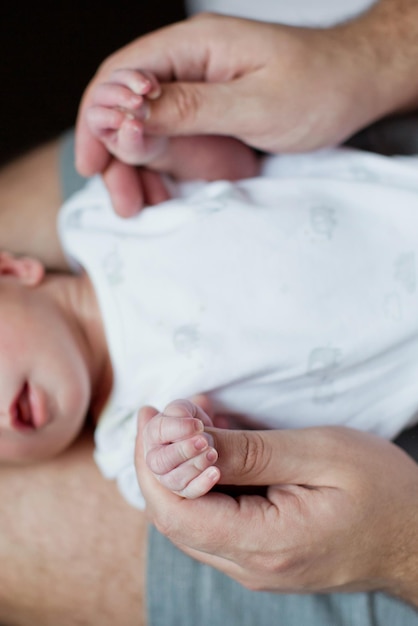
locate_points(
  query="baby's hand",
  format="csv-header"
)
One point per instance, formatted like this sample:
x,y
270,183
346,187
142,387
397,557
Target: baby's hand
x,y
117,118
179,452
119,108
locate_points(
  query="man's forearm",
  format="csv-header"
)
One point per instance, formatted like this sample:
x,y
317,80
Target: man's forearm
x,y
383,43
405,585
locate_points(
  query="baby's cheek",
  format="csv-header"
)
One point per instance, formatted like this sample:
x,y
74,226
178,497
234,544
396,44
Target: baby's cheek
x,y
73,402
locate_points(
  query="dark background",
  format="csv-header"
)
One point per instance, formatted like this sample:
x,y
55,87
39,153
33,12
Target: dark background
x,y
49,52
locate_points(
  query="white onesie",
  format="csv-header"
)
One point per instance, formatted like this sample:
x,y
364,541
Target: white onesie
x,y
291,298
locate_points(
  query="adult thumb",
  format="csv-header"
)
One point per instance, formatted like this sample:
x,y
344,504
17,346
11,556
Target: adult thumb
x,y
192,108
308,456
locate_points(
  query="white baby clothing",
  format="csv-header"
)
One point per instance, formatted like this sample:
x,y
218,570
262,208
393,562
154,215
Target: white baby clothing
x,y
291,298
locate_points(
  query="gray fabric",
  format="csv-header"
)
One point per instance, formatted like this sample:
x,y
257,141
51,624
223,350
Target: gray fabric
x,y
182,592
71,181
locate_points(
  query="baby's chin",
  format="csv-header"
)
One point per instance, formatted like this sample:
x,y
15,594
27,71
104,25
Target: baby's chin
x,y
42,451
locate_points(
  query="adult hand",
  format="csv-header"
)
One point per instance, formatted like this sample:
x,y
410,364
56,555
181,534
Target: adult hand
x,y
275,87
340,512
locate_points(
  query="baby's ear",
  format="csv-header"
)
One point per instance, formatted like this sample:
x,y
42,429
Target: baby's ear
x,y
27,270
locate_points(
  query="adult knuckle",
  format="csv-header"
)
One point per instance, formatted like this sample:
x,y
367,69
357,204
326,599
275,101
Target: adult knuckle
x,y
253,455
264,570
187,102
253,584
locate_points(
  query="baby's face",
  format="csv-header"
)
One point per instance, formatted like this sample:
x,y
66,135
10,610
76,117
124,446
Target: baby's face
x,y
44,380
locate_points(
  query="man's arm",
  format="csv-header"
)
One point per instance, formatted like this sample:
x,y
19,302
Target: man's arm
x,y
385,41
30,197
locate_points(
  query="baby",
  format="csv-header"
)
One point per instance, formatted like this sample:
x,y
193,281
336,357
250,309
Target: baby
x,y
289,299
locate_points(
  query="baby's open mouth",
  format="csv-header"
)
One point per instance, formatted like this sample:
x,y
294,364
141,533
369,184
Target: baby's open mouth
x,y
21,411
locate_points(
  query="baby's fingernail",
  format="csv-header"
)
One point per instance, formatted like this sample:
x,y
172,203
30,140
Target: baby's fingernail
x,y
212,473
198,426
154,93
140,86
212,455
201,443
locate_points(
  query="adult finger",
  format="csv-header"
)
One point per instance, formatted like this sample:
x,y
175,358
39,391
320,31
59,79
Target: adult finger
x,y
315,457
193,108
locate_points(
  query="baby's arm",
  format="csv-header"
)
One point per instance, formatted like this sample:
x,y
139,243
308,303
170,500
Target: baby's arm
x,y
179,452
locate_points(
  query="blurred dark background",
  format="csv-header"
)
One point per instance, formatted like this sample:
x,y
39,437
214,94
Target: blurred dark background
x,y
49,52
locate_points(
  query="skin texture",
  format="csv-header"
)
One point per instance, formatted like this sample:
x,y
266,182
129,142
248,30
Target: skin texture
x,y
326,522
75,550
30,196
218,73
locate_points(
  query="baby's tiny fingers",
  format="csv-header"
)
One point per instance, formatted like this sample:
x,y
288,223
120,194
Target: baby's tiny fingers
x,y
115,95
163,429
202,484
187,408
164,459
181,479
101,118
140,82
